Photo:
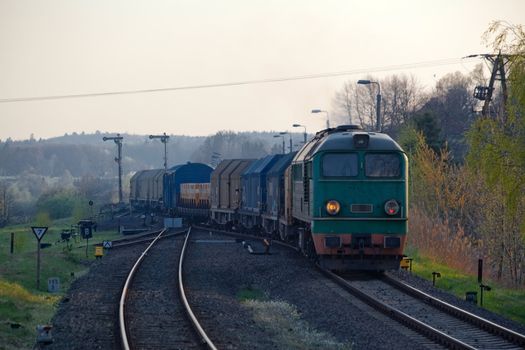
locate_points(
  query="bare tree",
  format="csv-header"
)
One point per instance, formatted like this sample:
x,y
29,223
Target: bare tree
x,y
402,96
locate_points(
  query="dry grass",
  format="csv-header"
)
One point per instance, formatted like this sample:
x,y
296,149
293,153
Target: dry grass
x,y
435,239
291,332
16,291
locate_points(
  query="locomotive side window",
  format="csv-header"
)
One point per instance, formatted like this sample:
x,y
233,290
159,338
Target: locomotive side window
x,y
382,165
340,164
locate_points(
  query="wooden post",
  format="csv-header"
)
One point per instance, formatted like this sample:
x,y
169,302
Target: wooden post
x,y
39,232
12,242
38,266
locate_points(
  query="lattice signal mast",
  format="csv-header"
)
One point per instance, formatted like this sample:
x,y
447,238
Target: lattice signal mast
x,y
118,141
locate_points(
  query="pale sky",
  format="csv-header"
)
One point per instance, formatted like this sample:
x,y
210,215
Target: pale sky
x,y
68,47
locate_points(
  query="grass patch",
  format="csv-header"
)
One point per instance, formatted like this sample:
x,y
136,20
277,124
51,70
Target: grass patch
x,y
250,293
22,305
20,312
290,331
504,301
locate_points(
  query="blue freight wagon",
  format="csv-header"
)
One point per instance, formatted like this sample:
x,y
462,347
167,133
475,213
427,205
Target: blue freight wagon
x,y
253,184
179,174
274,206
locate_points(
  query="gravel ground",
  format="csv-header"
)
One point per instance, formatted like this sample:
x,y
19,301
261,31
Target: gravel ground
x,y
86,316
426,286
324,312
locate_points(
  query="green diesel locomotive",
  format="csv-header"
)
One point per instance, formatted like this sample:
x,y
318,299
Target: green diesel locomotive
x,y
347,190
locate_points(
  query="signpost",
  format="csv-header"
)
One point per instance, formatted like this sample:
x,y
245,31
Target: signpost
x,y
86,230
39,232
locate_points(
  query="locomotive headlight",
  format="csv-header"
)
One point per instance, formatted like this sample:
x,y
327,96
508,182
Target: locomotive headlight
x,y
392,207
333,207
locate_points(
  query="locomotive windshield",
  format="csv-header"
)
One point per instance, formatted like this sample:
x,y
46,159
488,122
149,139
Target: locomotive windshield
x,y
382,165
340,164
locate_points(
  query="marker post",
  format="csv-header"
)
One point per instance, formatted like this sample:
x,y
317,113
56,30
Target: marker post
x,y
39,232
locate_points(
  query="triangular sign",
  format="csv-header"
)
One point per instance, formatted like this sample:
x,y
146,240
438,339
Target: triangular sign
x,y
39,231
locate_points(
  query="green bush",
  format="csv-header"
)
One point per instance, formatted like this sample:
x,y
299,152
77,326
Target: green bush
x,y
57,203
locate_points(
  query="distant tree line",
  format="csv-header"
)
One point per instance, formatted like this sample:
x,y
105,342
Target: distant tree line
x,y
64,173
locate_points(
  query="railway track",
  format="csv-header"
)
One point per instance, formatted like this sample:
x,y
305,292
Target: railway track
x,y
441,322
153,308
144,238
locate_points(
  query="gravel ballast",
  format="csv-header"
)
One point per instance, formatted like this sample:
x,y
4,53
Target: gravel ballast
x,y
216,275
244,301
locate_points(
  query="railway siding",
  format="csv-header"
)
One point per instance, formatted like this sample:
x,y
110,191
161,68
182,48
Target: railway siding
x,y
156,316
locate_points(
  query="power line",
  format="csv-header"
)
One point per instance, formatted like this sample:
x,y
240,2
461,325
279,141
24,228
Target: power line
x,y
442,62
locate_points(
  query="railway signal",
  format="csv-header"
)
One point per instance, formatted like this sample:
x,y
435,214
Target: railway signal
x,y
118,141
164,139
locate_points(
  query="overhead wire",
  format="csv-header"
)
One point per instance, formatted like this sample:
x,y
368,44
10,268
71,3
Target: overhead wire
x,y
441,62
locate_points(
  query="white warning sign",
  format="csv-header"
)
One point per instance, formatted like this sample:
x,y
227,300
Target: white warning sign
x,y
39,231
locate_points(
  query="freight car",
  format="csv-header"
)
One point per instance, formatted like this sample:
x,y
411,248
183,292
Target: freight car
x,y
194,200
146,189
273,211
182,189
174,180
254,191
342,198
225,190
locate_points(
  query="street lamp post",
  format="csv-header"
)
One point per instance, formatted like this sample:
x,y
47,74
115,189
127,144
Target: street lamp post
x,y
284,133
327,117
301,126
164,139
282,138
378,101
118,141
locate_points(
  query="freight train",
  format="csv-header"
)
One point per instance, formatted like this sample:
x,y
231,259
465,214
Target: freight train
x,y
181,190
342,198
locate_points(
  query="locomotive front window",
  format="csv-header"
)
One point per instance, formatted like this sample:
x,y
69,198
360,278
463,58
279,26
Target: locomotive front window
x,y
340,164
382,165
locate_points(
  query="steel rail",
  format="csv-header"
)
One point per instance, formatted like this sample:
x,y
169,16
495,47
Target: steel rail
x,y
244,235
122,303
400,316
140,240
432,333
206,340
489,326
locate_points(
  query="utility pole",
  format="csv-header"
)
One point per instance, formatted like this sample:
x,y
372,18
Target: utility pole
x,y
164,139
484,93
118,141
